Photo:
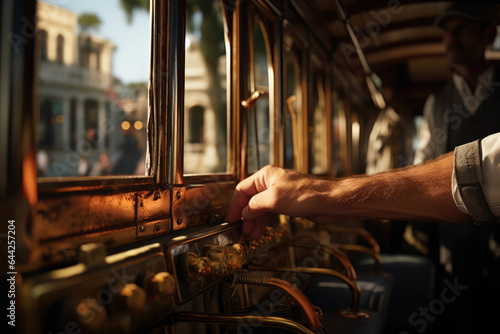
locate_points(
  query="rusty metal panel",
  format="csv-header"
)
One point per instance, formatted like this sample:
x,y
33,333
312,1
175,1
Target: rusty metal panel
x,y
207,203
153,212
178,208
84,213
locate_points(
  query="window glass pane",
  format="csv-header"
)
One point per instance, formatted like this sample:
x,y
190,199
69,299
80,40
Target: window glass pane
x,y
339,134
94,71
337,109
355,132
259,133
205,106
293,113
317,130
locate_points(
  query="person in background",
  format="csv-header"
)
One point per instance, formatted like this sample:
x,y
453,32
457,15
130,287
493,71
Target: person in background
x,y
464,109
128,154
42,163
103,166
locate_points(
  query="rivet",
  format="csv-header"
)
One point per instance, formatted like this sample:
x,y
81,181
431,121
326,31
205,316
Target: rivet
x,y
142,228
178,195
179,221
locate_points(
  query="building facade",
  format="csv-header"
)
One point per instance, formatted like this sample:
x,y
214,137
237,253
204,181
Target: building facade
x,y
80,115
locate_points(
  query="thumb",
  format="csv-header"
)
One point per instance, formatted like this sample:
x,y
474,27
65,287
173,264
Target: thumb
x,y
259,205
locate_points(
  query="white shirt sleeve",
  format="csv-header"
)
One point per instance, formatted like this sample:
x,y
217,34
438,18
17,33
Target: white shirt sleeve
x,y
490,181
491,172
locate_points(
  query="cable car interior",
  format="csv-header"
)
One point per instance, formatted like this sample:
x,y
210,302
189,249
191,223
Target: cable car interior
x,y
126,126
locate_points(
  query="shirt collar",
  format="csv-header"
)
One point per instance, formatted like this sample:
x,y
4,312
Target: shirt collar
x,y
472,101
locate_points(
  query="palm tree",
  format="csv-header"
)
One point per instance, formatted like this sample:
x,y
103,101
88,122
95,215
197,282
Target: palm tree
x,y
89,21
131,5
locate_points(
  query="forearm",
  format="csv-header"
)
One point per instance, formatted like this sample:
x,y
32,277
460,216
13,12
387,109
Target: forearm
x,y
420,192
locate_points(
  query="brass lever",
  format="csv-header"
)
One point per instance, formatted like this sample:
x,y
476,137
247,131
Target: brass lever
x,y
248,103
295,132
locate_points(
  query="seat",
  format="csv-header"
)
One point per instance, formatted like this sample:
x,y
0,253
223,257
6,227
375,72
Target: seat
x,y
337,293
335,323
413,276
413,285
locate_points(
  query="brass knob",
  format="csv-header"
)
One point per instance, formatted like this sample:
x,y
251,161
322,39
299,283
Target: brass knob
x,y
197,267
130,299
161,285
248,103
239,249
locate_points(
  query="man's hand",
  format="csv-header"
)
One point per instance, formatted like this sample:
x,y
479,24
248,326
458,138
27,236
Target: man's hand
x,y
419,192
277,190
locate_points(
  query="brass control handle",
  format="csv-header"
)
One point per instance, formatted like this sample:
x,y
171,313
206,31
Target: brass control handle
x,y
248,104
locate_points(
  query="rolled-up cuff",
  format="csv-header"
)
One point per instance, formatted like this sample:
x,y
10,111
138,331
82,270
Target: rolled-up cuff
x,y
468,174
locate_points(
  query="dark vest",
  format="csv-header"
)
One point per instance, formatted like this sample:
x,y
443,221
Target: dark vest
x,y
462,126
473,263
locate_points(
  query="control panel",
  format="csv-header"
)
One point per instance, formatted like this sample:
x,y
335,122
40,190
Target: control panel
x,y
119,293
207,257
139,290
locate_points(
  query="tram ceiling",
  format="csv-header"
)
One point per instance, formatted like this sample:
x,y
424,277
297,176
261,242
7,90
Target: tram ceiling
x,y
398,39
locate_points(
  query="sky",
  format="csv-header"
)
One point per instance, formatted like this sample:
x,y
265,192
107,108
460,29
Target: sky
x,y
132,40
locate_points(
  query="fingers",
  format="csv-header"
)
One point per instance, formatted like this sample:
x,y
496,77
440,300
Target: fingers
x,y
254,228
258,206
242,195
249,207
250,201
248,227
260,227
255,216
240,200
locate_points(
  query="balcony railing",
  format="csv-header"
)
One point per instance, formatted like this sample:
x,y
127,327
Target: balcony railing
x,y
71,75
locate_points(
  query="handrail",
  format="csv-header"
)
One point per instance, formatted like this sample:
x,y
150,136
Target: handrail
x,y
377,97
353,312
337,253
291,290
374,249
249,320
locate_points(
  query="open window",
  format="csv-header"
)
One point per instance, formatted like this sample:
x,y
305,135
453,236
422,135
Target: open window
x,y
318,130
260,117
293,105
206,88
93,87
